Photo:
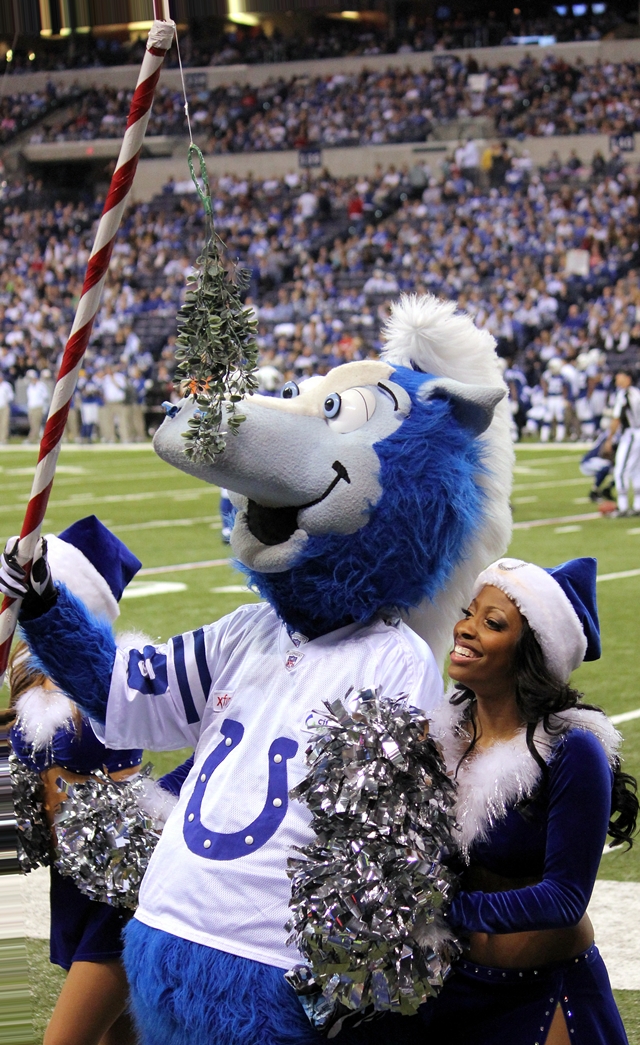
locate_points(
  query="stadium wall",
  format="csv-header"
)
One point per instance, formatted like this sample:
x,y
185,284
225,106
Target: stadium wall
x,y
215,76
154,173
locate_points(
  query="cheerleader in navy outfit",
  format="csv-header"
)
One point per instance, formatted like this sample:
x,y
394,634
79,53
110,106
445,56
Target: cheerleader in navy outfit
x,y
54,740
539,789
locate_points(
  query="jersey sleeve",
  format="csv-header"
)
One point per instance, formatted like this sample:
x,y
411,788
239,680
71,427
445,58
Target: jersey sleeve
x,y
407,667
580,781
158,693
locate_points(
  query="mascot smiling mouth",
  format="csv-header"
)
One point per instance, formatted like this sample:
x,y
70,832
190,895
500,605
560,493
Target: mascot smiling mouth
x,y
273,526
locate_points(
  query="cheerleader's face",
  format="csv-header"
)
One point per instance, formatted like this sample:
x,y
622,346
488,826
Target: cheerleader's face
x,y
484,643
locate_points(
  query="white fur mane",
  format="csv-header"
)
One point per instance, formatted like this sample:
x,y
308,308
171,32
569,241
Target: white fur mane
x,y
494,780
429,333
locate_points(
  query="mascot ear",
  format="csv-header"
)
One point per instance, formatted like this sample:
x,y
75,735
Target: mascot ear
x,y
472,405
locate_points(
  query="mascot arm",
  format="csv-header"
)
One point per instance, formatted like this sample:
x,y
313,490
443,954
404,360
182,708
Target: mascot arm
x,y
75,649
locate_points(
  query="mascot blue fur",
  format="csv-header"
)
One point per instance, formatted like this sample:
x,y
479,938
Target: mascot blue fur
x,y
368,501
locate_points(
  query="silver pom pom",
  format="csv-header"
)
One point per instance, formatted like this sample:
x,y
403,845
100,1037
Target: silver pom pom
x,y
368,894
33,834
105,840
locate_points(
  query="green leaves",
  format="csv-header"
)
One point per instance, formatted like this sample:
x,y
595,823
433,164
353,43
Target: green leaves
x,y
217,352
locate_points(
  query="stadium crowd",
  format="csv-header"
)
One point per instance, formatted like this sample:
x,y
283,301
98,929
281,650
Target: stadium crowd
x,y
326,257
20,110
211,43
368,108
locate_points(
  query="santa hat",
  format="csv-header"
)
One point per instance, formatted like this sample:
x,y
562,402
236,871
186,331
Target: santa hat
x,y
559,604
93,564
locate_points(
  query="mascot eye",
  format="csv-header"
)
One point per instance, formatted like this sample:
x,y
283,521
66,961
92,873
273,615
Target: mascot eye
x,y
353,409
332,405
290,390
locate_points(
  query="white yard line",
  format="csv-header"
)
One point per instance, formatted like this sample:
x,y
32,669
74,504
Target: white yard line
x,y
622,575
228,589
625,716
554,447
180,567
568,459
551,484
531,524
161,524
79,448
89,498
142,589
615,913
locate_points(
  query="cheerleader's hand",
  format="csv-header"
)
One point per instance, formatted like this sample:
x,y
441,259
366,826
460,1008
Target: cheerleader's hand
x,y
37,589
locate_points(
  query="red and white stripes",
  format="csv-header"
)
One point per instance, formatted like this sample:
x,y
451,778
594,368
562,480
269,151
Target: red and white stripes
x,y
158,43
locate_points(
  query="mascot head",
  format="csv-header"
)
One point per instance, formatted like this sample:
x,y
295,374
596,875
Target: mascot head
x,y
380,488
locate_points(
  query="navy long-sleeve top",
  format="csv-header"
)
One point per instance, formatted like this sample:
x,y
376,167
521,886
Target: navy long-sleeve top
x,y
558,838
75,748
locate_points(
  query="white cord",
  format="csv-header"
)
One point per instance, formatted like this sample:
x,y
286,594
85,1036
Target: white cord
x,y
184,87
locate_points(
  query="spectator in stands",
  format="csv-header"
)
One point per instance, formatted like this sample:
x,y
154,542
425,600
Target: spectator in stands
x,y
6,399
113,413
38,399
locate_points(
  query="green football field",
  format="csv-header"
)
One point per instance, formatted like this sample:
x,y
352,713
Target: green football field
x,y
171,522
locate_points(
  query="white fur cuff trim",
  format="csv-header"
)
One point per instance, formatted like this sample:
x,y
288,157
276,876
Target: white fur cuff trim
x,y
548,610
72,568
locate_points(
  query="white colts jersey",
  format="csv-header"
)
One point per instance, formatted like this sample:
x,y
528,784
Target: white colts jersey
x,y
241,692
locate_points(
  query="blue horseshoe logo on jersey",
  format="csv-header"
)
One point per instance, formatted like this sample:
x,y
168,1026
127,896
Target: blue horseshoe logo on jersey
x,y
215,845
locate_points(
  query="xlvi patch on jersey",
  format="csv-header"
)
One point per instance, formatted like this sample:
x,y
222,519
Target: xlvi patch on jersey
x,y
220,845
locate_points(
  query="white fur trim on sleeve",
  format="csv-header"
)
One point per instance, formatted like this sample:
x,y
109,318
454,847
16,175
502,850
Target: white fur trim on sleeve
x,y
72,568
547,609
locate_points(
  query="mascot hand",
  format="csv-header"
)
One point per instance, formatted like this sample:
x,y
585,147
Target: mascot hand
x,y
37,589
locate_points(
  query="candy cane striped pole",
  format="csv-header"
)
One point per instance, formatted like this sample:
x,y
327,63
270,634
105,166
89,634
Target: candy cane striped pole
x,y
158,43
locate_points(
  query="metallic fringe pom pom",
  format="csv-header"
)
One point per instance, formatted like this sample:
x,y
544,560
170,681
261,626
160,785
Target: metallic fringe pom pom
x,y
105,840
368,894
34,836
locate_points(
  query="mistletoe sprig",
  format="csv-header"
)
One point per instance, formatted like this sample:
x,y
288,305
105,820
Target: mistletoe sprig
x,y
217,352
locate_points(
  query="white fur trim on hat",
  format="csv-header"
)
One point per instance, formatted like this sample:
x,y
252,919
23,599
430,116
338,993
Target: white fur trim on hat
x,y
72,568
549,612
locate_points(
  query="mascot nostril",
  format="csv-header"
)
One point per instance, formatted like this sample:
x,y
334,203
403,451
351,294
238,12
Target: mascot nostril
x,y
368,502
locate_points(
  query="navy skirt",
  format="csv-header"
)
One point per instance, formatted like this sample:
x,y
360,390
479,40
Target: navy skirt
x,y
479,1005
83,930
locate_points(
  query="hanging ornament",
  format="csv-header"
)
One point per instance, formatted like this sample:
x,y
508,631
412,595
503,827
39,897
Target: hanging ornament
x,y
217,352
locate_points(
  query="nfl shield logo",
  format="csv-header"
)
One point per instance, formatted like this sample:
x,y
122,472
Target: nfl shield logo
x,y
292,659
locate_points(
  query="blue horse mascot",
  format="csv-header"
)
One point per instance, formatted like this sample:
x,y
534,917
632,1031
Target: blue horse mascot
x,y
367,502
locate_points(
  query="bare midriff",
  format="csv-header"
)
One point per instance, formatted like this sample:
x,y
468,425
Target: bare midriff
x,y
53,794
525,950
